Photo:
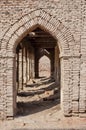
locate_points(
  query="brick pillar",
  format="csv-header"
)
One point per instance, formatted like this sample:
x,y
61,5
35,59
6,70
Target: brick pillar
x,y
17,71
24,67
65,86
36,63
11,87
28,76
20,69
52,66
82,100
76,85
52,62
36,68
30,65
3,88
57,66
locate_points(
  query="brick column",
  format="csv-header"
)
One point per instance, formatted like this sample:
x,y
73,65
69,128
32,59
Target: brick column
x,y
29,66
52,66
65,86
32,69
20,69
11,87
75,85
28,76
3,88
57,66
17,70
36,67
24,67
82,101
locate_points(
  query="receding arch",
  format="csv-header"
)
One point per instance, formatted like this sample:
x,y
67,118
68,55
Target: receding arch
x,y
44,52
44,66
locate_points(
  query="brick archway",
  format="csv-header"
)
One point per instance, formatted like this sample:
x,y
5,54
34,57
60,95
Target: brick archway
x,y
65,41
44,20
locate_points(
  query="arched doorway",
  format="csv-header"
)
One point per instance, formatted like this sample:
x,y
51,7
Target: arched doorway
x,y
65,44
29,68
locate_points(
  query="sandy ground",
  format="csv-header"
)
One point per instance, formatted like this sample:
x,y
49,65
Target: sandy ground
x,y
39,109
48,119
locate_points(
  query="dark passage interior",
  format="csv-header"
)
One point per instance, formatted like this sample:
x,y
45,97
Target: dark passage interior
x,y
37,73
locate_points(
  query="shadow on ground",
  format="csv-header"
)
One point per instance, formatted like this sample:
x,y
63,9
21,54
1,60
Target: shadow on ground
x,y
47,102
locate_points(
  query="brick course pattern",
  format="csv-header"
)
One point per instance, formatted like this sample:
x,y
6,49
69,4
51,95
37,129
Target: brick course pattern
x,y
65,21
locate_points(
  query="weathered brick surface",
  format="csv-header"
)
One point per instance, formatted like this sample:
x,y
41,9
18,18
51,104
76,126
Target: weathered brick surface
x,y
66,21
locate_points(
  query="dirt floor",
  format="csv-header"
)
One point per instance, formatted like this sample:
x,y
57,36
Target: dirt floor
x,y
39,109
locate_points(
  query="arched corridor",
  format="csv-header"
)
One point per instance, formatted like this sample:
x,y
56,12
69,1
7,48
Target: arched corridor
x,y
37,81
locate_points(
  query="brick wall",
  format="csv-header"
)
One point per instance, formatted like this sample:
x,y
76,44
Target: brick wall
x,y
65,20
